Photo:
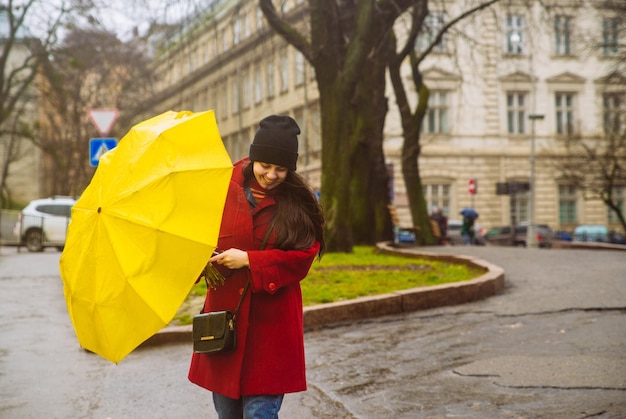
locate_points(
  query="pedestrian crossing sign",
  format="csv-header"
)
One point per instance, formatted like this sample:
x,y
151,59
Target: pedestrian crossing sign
x,y
99,146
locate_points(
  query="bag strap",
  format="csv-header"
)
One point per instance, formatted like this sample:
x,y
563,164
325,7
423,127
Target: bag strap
x,y
243,294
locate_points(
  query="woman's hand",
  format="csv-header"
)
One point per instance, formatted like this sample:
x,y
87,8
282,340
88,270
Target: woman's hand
x,y
232,259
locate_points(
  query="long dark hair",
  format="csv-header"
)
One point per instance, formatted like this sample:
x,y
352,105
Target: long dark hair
x,y
298,221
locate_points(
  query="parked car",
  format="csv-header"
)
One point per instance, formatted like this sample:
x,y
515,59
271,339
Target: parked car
x,y
617,238
597,233
543,235
591,233
454,233
43,223
500,236
518,235
563,236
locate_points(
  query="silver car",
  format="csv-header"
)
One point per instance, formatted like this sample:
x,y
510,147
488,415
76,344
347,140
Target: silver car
x,y
517,235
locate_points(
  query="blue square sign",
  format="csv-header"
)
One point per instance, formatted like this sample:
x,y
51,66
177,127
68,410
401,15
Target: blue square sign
x,y
99,146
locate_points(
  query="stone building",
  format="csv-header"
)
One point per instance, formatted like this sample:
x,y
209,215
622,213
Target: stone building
x,y
508,85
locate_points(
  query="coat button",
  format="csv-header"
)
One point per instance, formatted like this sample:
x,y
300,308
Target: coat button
x,y
272,286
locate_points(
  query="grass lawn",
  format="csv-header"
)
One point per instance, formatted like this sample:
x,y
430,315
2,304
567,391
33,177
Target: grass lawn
x,y
365,272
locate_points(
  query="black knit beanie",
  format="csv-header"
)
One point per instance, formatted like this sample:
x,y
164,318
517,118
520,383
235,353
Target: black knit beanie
x,y
276,142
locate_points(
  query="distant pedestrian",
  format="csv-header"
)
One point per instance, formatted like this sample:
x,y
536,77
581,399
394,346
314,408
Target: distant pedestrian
x,y
467,231
440,225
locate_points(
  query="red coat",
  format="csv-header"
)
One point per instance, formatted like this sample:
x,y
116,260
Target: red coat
x,y
269,358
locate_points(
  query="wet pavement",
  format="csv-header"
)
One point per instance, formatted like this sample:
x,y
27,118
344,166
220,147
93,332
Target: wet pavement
x,y
551,345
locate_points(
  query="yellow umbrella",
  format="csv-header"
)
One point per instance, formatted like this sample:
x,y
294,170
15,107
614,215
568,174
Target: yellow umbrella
x,y
143,230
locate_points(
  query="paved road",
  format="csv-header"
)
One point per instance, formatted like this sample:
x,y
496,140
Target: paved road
x,y
552,345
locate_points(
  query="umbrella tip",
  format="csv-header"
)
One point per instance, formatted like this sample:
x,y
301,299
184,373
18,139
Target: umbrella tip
x,y
99,209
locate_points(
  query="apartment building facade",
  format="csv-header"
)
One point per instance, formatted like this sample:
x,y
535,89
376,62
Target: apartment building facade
x,y
508,85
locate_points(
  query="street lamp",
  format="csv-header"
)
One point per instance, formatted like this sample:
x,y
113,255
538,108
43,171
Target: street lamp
x,y
531,237
515,39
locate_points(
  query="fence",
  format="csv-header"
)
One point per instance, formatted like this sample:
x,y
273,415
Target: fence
x,y
8,236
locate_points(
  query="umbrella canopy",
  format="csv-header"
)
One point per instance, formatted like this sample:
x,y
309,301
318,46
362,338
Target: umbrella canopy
x,y
143,230
469,213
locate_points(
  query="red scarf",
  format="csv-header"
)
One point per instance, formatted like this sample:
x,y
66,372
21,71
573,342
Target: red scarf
x,y
258,193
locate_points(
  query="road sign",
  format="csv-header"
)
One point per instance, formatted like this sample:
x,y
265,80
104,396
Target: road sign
x,y
99,146
103,119
472,186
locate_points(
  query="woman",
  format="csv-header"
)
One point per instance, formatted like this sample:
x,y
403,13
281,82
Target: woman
x,y
272,230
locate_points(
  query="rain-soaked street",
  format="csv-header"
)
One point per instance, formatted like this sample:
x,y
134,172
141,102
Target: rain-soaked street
x,y
551,345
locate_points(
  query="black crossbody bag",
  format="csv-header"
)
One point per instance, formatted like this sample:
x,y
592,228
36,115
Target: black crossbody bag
x,y
215,332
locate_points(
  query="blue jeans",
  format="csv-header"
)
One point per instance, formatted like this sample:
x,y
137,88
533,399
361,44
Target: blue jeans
x,y
248,407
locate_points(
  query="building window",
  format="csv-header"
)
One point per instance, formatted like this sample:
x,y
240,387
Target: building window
x,y
519,207
438,195
315,136
562,35
194,59
214,43
224,40
567,204
235,99
516,112
204,100
270,79
284,72
247,90
514,34
298,115
258,85
259,18
214,101
431,28
237,30
205,53
436,120
224,99
300,67
613,113
619,195
189,64
246,27
564,106
610,32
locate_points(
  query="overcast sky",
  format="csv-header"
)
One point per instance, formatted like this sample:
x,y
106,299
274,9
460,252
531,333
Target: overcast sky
x,y
122,16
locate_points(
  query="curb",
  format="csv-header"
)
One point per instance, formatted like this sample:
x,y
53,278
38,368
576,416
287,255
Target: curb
x,y
558,244
486,285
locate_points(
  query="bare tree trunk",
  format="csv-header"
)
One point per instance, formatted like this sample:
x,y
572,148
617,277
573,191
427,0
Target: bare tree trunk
x,y
342,47
371,222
